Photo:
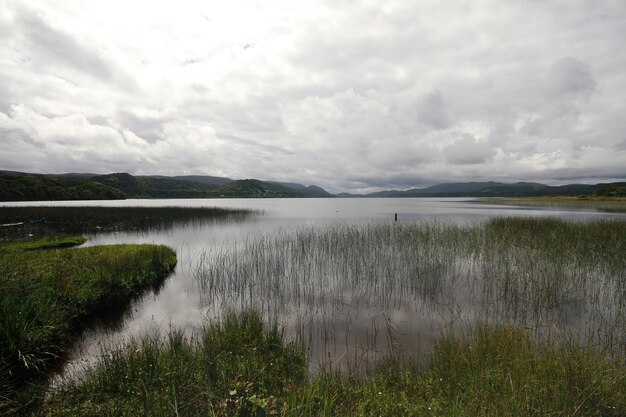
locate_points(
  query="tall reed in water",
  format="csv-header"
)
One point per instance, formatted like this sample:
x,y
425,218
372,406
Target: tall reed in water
x,y
359,292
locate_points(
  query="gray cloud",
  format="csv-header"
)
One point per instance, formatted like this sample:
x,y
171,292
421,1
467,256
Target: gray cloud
x,y
468,151
432,111
49,45
571,76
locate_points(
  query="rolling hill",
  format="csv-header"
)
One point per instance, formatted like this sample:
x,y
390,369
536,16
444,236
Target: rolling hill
x,y
497,189
17,186
153,187
251,188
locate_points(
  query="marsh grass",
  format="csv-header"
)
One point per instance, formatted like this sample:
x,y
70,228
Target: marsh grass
x,y
355,294
236,366
42,221
240,366
606,204
511,317
48,294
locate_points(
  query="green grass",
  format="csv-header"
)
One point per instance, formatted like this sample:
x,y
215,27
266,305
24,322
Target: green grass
x,y
48,294
499,371
234,367
47,242
240,367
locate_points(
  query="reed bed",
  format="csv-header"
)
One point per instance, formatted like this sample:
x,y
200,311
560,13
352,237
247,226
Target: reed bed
x,y
510,317
19,222
605,204
356,293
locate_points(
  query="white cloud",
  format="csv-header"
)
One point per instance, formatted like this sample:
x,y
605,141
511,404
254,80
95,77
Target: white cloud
x,y
355,94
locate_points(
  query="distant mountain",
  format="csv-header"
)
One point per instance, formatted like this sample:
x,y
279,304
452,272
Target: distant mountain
x,y
18,186
306,191
200,187
496,189
205,179
154,187
303,190
481,187
83,175
201,179
381,194
255,189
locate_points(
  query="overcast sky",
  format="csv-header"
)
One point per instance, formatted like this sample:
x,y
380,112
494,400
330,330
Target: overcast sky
x,y
348,95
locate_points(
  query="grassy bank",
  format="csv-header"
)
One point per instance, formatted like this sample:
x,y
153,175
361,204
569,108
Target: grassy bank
x,y
240,367
49,293
598,203
40,221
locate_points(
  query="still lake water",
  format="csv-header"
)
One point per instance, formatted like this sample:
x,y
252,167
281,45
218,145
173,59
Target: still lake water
x,y
180,304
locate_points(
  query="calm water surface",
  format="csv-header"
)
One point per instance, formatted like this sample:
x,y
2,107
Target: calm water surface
x,y
340,338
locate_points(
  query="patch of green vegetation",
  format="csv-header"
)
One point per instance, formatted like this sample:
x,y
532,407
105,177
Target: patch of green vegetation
x,y
243,368
40,221
599,202
47,242
33,187
48,295
236,367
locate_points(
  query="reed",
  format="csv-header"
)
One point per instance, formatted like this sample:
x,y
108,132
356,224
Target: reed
x,y
43,221
357,293
605,204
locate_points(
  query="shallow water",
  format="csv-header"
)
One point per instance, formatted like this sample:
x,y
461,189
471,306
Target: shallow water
x,y
343,330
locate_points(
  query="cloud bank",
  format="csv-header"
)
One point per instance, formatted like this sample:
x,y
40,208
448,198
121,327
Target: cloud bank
x,y
349,95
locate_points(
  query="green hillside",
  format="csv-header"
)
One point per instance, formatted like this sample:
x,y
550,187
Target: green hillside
x,y
255,189
311,191
151,187
16,186
498,189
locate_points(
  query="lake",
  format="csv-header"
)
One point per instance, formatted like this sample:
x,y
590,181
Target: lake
x,y
345,322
